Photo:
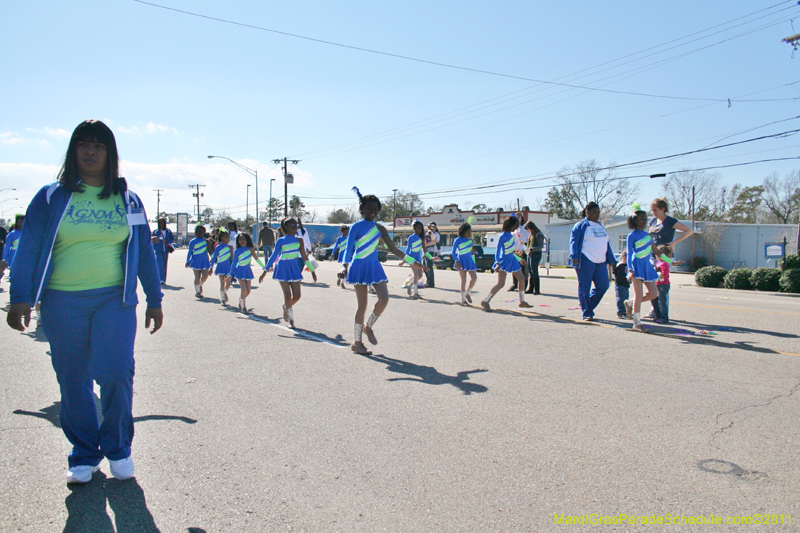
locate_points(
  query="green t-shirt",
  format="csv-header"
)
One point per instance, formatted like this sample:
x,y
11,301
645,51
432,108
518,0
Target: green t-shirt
x,y
90,242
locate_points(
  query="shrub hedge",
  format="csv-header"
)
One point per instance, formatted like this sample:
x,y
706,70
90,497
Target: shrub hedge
x,y
790,280
738,278
766,279
710,276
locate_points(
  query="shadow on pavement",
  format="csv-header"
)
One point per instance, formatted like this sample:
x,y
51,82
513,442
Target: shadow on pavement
x,y
86,507
429,375
52,413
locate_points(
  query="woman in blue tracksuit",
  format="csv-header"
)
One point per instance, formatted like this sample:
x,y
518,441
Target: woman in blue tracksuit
x,y
162,244
589,252
84,244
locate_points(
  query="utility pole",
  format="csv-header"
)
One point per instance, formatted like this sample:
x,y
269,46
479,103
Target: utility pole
x,y
197,195
158,201
287,179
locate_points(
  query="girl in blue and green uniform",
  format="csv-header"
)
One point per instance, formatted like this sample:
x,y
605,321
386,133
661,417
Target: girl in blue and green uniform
x,y
463,261
640,270
197,259
506,261
291,255
245,252
338,254
414,249
223,257
364,267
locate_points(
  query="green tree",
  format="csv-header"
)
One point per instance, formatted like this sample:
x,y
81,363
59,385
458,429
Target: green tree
x,y
560,203
296,207
402,204
748,202
342,216
274,210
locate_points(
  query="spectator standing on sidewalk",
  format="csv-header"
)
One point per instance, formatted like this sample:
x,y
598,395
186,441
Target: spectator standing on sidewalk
x,y
433,250
534,250
520,244
266,240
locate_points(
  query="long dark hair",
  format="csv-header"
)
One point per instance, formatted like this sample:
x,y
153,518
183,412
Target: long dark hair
x,y
92,131
247,239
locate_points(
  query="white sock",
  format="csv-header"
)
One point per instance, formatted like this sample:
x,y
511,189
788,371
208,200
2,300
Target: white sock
x,y
469,291
637,319
463,295
291,314
357,329
488,297
371,320
522,295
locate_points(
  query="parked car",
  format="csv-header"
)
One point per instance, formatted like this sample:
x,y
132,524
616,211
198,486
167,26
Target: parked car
x,y
324,254
484,258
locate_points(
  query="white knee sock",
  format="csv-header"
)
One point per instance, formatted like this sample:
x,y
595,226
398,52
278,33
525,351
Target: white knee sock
x,y
357,329
522,295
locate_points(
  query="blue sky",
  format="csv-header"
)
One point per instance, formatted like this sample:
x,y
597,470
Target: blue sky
x,y
176,88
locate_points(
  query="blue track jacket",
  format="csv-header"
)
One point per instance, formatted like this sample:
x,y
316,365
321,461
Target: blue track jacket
x,y
576,245
33,267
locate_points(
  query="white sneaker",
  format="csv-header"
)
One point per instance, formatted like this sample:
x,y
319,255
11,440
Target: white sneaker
x,y
122,469
81,474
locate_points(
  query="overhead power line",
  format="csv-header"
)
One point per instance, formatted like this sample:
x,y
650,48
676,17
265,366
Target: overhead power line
x,y
435,63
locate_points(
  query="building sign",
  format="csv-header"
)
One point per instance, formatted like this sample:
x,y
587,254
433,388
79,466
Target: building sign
x,y
183,223
402,221
774,251
452,216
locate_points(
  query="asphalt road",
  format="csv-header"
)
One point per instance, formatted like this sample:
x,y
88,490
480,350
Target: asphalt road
x,y
462,420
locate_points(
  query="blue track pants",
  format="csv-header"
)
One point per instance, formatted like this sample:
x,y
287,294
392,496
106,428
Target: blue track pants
x,y
91,340
590,273
161,261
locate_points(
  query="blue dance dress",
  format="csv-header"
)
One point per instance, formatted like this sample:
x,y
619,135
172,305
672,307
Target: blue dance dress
x,y
462,254
222,257
504,255
241,263
290,265
640,246
362,254
414,247
197,256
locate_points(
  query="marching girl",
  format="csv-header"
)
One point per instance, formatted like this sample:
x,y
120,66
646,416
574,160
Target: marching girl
x,y
506,261
463,261
245,251
365,269
414,249
640,271
223,257
338,254
197,259
290,255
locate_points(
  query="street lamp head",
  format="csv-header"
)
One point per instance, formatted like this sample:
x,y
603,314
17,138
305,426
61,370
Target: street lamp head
x,y
657,176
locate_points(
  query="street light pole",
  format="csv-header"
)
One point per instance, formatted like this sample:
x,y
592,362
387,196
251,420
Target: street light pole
x,y
269,208
286,177
246,169
247,207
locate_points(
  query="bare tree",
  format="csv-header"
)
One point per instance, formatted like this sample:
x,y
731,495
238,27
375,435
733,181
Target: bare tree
x,y
711,235
781,197
589,182
709,200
